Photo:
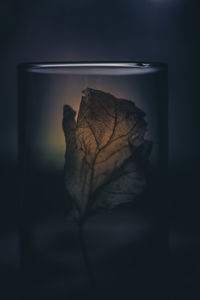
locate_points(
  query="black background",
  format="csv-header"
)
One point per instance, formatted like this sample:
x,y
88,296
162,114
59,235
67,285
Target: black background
x,y
120,30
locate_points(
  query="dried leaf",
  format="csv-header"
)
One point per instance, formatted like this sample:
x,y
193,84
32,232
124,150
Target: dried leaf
x,y
106,152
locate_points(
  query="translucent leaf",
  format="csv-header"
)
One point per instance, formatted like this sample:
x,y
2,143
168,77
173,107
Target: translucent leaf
x,y
105,152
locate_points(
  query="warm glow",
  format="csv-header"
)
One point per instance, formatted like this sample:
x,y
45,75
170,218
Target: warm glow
x,y
50,141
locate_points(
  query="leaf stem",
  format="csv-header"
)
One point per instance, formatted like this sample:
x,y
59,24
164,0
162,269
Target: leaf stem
x,y
86,256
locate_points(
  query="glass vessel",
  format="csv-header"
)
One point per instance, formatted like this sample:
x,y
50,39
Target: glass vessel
x,y
93,171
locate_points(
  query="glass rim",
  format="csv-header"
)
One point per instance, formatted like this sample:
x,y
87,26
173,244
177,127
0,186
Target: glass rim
x,y
92,64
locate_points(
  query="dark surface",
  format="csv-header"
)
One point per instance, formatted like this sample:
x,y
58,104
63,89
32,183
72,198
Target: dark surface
x,y
117,30
120,249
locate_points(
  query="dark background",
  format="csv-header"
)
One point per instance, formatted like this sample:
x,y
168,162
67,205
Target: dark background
x,y
120,30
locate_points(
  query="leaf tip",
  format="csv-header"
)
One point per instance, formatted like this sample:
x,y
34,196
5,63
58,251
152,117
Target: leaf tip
x,y
68,111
